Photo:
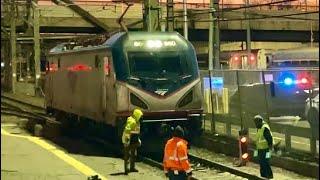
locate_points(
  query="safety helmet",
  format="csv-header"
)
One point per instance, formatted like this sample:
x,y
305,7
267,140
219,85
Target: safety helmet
x,y
178,132
258,118
137,114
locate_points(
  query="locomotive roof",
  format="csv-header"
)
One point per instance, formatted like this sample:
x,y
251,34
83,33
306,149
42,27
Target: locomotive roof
x,y
141,35
121,36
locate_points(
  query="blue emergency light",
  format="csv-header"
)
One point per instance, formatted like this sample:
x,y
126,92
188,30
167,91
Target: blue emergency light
x,y
287,80
301,80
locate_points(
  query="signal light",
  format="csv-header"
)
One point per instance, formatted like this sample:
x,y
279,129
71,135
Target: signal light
x,y
243,146
243,139
245,156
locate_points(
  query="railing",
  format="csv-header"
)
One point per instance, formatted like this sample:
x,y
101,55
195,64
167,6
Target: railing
x,y
239,95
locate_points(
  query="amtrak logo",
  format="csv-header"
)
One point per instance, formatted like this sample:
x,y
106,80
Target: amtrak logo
x,y
161,92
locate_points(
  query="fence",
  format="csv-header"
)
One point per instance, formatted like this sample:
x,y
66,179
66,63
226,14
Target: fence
x,y
279,96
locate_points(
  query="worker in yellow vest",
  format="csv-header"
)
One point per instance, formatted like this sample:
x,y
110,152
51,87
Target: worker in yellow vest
x,y
264,144
131,140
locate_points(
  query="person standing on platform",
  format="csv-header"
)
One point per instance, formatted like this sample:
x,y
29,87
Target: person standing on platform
x,y
131,140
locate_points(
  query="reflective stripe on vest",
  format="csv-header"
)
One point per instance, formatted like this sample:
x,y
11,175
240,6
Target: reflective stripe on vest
x,y
174,157
261,142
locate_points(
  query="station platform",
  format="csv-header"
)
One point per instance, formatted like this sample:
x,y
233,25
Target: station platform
x,y
24,157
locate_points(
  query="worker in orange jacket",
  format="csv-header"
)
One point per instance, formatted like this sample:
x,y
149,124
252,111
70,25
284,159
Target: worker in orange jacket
x,y
175,161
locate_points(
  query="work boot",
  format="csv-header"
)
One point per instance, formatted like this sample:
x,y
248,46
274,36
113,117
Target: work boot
x,y
126,169
133,170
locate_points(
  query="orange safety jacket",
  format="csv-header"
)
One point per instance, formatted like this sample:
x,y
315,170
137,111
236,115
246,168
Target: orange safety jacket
x,y
176,156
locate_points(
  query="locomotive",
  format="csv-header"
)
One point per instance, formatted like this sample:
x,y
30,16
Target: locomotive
x,y
101,85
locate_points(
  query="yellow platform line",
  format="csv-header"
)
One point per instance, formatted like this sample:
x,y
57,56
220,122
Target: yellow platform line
x,y
84,169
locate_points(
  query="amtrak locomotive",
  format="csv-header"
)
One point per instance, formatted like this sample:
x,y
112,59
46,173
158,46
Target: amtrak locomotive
x,y
101,85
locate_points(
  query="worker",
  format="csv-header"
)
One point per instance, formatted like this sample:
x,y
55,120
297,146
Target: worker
x,y
264,143
131,140
175,161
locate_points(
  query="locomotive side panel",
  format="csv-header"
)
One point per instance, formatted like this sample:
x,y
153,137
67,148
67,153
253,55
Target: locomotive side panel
x,y
109,98
78,85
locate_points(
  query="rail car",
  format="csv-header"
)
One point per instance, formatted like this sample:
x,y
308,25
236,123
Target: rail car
x,y
306,57
156,72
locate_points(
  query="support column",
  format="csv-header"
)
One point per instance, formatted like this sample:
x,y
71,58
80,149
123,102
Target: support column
x,y
151,15
36,47
13,43
170,16
211,38
185,20
248,44
216,45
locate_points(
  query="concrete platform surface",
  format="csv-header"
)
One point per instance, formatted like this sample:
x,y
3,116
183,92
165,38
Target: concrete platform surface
x,y
23,159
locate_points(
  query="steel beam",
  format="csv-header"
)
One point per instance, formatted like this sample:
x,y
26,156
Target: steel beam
x,y
84,14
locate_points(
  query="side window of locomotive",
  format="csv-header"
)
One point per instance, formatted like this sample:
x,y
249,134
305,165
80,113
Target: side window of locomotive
x,y
96,61
59,65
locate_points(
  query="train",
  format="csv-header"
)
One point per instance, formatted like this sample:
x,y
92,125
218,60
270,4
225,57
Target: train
x,y
264,59
101,85
305,57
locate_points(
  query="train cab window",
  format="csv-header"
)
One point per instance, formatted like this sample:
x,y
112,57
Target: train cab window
x,y
153,63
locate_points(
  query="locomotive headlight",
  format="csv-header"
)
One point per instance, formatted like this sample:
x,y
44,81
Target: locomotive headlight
x,y
154,44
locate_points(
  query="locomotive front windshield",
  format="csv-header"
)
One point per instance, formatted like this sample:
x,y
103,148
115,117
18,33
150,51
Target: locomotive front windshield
x,y
160,70
157,65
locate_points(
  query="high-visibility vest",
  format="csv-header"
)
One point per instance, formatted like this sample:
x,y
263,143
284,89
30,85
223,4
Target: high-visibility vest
x,y
176,156
131,127
261,142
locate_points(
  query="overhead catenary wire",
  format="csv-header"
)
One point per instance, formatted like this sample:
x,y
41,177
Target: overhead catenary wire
x,y
266,17
244,7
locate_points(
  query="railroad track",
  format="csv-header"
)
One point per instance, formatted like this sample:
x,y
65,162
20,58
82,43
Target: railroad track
x,y
19,108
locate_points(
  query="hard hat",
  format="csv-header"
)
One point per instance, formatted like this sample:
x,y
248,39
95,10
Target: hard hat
x,y
258,117
178,132
137,113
